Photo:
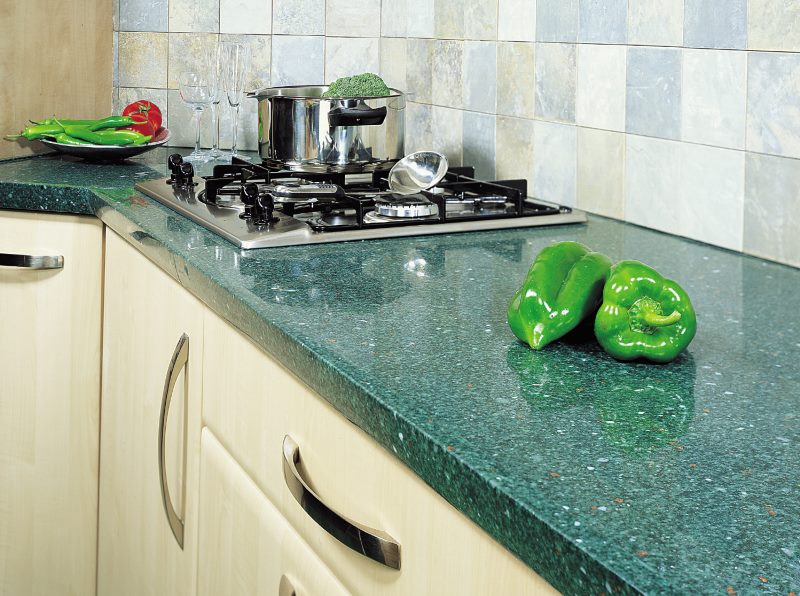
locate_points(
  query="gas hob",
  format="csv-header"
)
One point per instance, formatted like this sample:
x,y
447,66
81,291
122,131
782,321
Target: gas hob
x,y
255,206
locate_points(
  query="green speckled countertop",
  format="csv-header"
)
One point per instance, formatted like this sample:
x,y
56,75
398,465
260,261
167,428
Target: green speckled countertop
x,y
603,477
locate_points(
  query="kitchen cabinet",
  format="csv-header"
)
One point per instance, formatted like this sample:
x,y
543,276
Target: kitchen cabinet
x,y
152,349
50,304
283,434
246,547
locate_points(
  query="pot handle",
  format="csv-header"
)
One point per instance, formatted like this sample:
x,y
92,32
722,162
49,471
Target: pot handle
x,y
361,115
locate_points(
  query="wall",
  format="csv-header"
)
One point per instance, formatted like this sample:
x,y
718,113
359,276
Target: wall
x,y
680,115
55,58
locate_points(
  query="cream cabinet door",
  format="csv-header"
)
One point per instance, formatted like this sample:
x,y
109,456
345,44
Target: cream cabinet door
x,y
246,547
146,314
49,403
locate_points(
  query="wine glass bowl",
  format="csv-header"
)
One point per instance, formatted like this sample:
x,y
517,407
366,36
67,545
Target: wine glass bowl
x,y
197,91
235,66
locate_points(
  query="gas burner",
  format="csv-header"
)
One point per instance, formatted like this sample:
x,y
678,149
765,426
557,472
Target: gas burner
x,y
414,206
373,217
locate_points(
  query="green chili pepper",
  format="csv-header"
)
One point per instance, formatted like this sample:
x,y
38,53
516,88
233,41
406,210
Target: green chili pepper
x,y
36,132
64,139
563,287
644,315
106,137
109,122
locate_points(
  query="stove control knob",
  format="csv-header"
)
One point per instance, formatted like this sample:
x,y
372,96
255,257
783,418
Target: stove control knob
x,y
174,162
249,196
185,173
266,209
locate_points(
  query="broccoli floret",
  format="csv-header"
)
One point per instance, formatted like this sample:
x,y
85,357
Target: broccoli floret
x,y
363,85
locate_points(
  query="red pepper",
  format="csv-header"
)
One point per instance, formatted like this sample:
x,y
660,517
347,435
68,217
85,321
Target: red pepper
x,y
146,115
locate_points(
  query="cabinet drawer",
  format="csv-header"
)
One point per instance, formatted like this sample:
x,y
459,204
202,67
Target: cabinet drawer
x,y
246,547
252,403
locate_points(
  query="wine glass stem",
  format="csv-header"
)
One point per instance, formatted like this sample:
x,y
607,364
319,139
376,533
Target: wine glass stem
x,y
214,128
235,128
197,131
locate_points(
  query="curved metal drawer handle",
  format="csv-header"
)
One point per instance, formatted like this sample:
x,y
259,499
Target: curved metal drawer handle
x,y
31,261
374,544
179,359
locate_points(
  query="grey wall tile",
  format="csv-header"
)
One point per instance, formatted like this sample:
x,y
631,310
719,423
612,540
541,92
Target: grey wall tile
x,y
189,52
480,19
353,18
419,69
603,21
394,18
715,24
651,168
419,127
194,16
653,106
298,17
449,19
601,172
448,80
479,144
259,73
714,97
245,16
773,103
143,15
515,79
393,62
143,59
774,25
772,208
655,22
514,149
555,81
298,60
115,60
557,20
447,133
516,20
348,56
115,14
480,76
555,162
600,101
421,18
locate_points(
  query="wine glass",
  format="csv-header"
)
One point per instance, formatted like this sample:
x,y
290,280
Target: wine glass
x,y
215,65
197,92
235,64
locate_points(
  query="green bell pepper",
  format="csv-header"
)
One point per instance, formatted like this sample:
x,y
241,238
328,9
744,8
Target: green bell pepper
x,y
644,315
563,287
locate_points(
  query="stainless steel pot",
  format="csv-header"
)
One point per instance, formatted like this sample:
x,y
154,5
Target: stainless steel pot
x,y
301,130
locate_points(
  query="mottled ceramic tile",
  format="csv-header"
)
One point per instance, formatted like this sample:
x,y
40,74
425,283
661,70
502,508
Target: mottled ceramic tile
x,y
189,52
555,81
655,22
393,61
448,79
772,208
601,172
247,139
115,14
298,17
773,103
143,15
419,127
515,79
514,149
711,194
115,60
447,133
394,18
449,19
653,103
479,144
421,18
555,162
419,69
143,59
557,20
480,76
194,16
480,19
245,16
353,18
600,101
774,25
715,24
258,75
714,97
516,20
181,123
298,60
652,167
348,56
603,21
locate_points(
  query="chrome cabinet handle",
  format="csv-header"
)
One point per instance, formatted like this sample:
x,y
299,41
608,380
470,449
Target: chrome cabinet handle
x,y
8,259
179,359
374,544
285,588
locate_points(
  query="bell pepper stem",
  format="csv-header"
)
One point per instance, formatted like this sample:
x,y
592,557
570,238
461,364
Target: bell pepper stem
x,y
656,320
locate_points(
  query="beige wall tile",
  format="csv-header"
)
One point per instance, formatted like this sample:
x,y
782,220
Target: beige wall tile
x,y
394,18
419,68
189,52
143,59
353,18
447,133
516,20
348,56
298,17
555,81
655,22
393,62
447,82
601,172
652,167
774,25
421,18
600,101
449,19
480,19
258,75
555,162
194,16
245,16
514,149
515,79
419,127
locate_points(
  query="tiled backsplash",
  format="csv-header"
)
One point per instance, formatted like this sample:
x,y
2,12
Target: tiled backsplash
x,y
680,115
